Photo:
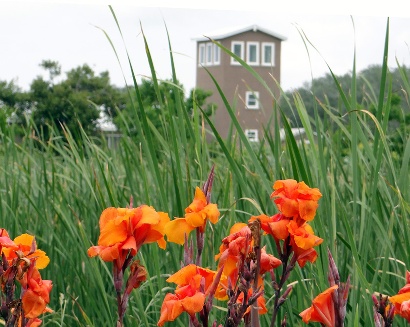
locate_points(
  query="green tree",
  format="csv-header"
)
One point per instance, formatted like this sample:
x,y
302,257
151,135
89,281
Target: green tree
x,y
160,103
324,90
14,105
78,99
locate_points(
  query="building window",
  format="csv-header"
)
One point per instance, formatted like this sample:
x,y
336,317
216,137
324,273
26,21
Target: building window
x,y
252,135
238,50
209,54
268,54
252,100
202,54
217,54
252,53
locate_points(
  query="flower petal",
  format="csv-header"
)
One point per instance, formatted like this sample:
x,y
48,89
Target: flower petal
x,y
177,229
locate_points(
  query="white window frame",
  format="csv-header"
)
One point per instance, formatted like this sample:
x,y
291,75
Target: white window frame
x,y
216,54
272,46
209,54
248,96
242,44
248,53
252,135
201,54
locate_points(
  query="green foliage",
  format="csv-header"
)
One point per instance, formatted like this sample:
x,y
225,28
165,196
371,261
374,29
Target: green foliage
x,y
57,189
160,102
77,99
324,90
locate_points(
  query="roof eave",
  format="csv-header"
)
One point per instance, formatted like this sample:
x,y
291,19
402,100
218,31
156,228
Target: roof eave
x,y
254,28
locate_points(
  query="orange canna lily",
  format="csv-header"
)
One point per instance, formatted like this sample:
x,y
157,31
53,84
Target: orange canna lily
x,y
184,275
260,303
303,236
36,294
295,199
5,240
303,240
268,262
304,256
196,215
233,249
193,284
275,225
123,230
27,245
401,300
322,309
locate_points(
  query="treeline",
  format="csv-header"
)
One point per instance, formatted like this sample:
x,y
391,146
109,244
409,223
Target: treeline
x,y
80,98
323,94
323,91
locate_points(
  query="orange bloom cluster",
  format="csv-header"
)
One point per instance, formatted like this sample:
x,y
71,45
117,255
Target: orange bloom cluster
x,y
193,286
296,200
401,300
322,309
36,295
23,260
196,215
242,260
234,250
297,204
123,231
23,245
236,253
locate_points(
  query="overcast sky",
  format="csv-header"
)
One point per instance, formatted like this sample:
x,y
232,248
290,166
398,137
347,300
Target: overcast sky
x,y
70,33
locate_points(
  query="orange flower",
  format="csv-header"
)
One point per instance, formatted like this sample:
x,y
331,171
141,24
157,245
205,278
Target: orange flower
x,y
268,261
183,276
296,199
260,303
275,225
123,230
27,245
233,249
303,236
193,283
322,309
36,294
401,301
303,240
5,240
304,256
196,215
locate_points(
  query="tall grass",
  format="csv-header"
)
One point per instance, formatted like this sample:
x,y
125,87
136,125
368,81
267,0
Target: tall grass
x,y
56,189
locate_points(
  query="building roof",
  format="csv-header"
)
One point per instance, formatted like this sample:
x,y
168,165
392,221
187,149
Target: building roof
x,y
224,33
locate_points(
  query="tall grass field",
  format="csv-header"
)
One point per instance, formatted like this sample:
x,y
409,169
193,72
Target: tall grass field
x,y
57,188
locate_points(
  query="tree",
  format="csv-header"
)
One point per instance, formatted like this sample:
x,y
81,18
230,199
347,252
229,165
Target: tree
x,y
14,104
160,103
76,100
324,90
199,97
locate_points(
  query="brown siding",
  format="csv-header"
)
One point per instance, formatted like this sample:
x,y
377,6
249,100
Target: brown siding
x,y
235,80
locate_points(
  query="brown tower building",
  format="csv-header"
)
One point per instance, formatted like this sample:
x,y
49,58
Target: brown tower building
x,y
260,49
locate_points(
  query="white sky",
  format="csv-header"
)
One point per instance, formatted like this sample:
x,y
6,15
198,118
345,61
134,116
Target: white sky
x,y
65,31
